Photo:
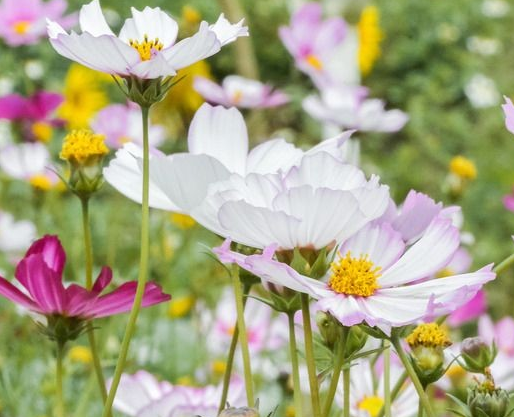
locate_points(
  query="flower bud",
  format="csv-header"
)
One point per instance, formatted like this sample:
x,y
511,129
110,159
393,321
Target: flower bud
x,y
329,328
477,354
483,403
239,412
356,340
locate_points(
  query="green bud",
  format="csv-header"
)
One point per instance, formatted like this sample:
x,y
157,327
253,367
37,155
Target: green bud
x,y
146,92
477,354
62,329
485,403
329,328
428,362
240,412
356,340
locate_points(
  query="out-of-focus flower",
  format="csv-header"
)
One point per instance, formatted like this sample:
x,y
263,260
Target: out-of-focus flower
x,y
145,47
40,273
142,395
463,168
483,46
182,221
29,162
83,96
366,400
508,110
23,22
181,306
80,354
495,8
34,69
471,310
481,91
236,91
347,107
15,236
375,279
33,114
370,37
218,147
190,15
122,123
508,201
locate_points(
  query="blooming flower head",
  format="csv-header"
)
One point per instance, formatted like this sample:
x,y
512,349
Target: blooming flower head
x,y
83,147
22,22
34,113
122,123
146,46
142,395
40,273
236,91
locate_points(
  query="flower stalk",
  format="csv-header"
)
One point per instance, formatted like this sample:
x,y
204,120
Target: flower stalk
x,y
59,406
295,367
336,373
387,378
346,392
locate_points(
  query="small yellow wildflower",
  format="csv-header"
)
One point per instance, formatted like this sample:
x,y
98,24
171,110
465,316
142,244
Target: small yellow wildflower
x,y
83,147
42,131
370,37
219,367
190,15
463,168
41,182
180,306
428,335
80,354
182,221
185,381
372,405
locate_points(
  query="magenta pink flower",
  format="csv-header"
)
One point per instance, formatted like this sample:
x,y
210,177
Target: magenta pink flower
x,y
40,274
508,109
23,22
473,309
508,200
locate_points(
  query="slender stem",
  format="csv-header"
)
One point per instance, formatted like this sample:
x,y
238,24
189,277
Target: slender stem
x,y
295,367
503,265
88,249
420,409
59,406
336,373
143,271
346,392
236,283
412,374
309,356
387,378
230,358
396,390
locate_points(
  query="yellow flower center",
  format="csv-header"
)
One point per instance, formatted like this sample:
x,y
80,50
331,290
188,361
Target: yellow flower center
x,y
146,47
354,276
456,372
219,367
314,62
183,221
428,335
83,147
180,306
463,168
80,354
42,131
41,182
372,405
237,96
21,27
370,37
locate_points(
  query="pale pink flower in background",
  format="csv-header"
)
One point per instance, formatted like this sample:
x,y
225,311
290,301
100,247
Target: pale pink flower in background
x,y
237,91
23,22
218,147
122,123
15,235
146,46
142,395
508,110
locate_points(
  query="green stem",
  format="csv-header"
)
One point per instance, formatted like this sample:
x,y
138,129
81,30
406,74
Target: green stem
x,y
236,283
88,249
346,392
396,390
309,356
59,406
295,367
336,373
503,265
420,409
387,378
143,270
412,374
230,358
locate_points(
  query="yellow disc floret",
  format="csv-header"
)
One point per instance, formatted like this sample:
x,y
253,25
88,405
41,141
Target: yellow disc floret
x,y
428,335
354,276
21,27
372,405
146,47
83,147
314,62
370,37
463,168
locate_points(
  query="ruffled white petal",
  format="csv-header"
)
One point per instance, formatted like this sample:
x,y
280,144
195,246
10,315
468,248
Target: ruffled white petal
x,y
92,20
227,32
272,156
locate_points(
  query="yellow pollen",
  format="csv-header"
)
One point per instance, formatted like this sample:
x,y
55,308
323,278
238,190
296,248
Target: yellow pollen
x,y
41,182
180,306
21,27
372,405
182,221
83,147
42,131
463,168
236,98
354,276
219,367
146,47
428,335
80,354
314,62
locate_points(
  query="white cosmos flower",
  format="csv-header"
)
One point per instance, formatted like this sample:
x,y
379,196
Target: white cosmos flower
x,y
145,47
218,147
15,236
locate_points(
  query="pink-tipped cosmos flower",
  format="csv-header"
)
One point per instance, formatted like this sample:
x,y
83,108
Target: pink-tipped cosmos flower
x,y
122,124
146,46
236,91
40,273
376,278
508,110
23,22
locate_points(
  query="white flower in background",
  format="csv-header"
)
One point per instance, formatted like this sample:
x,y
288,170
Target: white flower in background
x,y
146,46
495,8
481,91
15,236
483,46
34,69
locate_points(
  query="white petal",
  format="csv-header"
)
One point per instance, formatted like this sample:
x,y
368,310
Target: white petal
x,y
227,32
92,20
153,68
272,156
54,29
220,133
152,22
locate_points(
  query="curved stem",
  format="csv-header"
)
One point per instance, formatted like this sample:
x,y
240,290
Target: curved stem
x,y
309,356
503,265
338,366
59,406
412,374
295,367
88,249
230,358
387,378
143,270
236,283
346,392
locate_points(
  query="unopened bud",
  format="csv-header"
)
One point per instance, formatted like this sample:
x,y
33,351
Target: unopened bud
x,y
328,327
239,412
477,354
483,403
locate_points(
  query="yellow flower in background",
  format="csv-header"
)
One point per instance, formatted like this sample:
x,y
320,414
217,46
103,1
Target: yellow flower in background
x,y
370,37
180,306
219,367
42,131
190,16
182,221
80,354
463,168
83,96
